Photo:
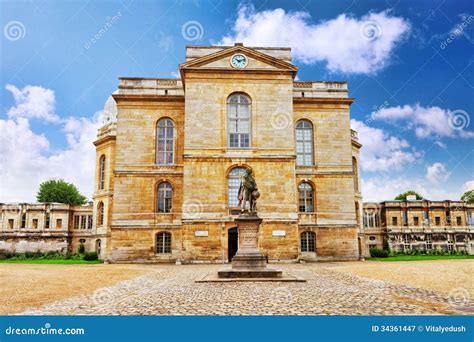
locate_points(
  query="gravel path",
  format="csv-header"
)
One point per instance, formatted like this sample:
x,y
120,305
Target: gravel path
x,y
171,290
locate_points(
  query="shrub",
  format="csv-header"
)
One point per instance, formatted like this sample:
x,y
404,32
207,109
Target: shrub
x,y
378,253
90,256
81,249
68,255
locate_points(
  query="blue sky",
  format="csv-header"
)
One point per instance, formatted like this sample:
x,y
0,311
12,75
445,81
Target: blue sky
x,y
408,64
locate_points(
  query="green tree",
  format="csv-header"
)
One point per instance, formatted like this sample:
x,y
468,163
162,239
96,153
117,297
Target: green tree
x,y
403,195
59,191
468,196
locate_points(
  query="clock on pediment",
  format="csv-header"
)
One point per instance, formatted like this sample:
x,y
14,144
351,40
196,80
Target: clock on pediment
x,y
238,61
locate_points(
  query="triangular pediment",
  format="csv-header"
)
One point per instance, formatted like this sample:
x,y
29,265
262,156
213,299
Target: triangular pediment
x,y
257,61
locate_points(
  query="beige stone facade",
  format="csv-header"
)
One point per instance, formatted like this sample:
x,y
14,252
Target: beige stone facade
x,y
200,222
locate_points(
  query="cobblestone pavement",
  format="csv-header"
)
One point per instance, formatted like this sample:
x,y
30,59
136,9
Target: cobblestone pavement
x,y
171,290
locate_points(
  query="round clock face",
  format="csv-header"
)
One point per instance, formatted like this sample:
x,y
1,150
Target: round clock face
x,y
238,61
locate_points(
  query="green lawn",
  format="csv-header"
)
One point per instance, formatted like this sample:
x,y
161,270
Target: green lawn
x,y
422,257
49,261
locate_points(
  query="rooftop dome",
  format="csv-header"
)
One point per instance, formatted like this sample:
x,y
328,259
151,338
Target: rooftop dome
x,y
110,111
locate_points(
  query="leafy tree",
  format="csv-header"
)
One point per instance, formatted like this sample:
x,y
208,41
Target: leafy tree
x,y
59,191
403,195
468,196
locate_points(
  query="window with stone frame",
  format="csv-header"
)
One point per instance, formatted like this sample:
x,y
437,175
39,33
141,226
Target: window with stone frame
x,y
306,198
76,222
304,143
308,242
239,121
83,222
11,223
23,220
100,214
458,221
416,221
394,221
35,223
59,223
163,243
438,220
102,172
89,221
233,185
165,142
165,198
47,220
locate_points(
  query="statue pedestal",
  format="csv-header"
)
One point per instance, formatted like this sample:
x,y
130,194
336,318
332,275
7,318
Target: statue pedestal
x,y
249,262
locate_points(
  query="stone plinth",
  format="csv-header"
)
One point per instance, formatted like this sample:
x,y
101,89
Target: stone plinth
x,y
249,262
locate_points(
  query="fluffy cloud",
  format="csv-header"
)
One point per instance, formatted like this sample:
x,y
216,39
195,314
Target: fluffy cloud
x,y
437,173
469,185
33,102
384,188
381,151
27,158
428,121
346,44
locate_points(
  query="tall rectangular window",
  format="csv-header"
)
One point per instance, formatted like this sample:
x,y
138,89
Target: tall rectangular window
x,y
89,221
304,143
76,221
165,142
59,223
35,223
238,121
83,222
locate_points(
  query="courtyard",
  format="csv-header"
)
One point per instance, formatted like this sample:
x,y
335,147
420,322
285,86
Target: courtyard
x,y
338,288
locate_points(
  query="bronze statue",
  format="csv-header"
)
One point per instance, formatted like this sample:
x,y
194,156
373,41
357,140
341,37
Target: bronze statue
x,y
248,192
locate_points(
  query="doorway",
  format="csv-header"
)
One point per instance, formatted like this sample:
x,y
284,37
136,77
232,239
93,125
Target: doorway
x,y
232,243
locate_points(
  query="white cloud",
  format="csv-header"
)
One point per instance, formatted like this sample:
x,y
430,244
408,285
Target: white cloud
x,y
346,44
33,102
469,185
381,151
385,188
428,122
437,173
27,159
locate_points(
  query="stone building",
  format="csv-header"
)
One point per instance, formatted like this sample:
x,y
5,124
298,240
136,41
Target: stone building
x,y
50,227
171,153
169,166
423,225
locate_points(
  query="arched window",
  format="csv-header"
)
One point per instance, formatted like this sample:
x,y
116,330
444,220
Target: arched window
x,y
304,143
307,242
238,121
355,170
102,173
233,185
165,142
306,204
163,243
100,214
165,197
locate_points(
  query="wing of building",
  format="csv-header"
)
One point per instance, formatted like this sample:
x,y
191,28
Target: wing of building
x,y
171,153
